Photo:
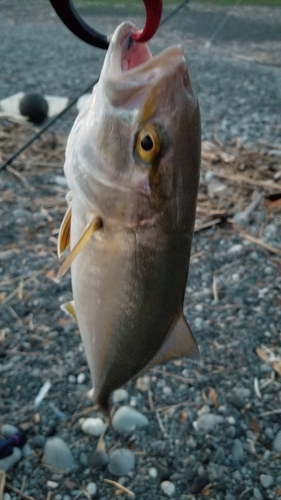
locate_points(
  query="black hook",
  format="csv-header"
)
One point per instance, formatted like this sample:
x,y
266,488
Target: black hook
x,y
70,17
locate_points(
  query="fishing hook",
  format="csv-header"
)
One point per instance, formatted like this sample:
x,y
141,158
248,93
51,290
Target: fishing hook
x,y
75,23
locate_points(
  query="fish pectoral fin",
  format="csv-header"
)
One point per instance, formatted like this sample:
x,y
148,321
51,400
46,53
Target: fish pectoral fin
x,y
69,309
64,233
89,231
178,344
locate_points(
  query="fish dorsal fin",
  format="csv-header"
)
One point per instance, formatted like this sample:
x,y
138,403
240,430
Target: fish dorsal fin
x,y
89,231
69,309
178,344
64,234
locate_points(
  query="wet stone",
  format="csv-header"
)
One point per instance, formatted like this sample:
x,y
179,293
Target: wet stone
x,y
121,462
237,451
168,488
119,396
99,459
277,442
257,494
266,480
57,454
83,459
93,426
92,489
8,430
126,420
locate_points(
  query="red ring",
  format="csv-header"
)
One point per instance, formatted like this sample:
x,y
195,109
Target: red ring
x,y
153,17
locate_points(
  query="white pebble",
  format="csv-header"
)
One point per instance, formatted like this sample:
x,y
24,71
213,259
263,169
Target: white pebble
x,y
92,489
71,379
93,426
133,401
235,248
153,473
207,422
205,409
167,390
81,378
143,383
119,396
168,488
52,484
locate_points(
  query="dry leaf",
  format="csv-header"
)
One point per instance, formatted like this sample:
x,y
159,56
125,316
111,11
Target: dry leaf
x,y
277,367
262,354
254,426
210,393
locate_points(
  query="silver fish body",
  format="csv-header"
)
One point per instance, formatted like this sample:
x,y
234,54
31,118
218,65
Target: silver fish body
x,y
132,161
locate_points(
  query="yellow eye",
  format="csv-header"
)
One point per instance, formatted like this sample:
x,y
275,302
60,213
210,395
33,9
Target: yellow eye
x,y
148,144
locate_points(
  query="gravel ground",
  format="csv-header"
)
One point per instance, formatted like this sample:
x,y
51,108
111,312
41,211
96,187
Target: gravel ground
x,y
212,431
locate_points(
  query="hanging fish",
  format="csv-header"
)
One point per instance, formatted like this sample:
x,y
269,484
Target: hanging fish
x,y
132,165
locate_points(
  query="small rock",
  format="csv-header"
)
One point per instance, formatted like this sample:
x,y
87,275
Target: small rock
x,y
121,462
7,462
143,383
8,430
52,484
266,480
207,421
57,454
126,420
237,451
168,488
81,378
277,442
7,496
83,459
235,248
26,450
237,401
198,484
153,473
92,489
93,426
99,459
119,396
257,494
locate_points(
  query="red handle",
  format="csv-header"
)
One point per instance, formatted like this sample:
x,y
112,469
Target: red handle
x,y
153,17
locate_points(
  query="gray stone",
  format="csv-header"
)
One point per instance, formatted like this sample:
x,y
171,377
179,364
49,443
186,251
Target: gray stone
x,y
99,459
26,450
208,421
8,430
126,420
7,462
57,454
237,451
119,396
277,442
92,489
168,488
83,459
257,494
121,462
266,480
93,426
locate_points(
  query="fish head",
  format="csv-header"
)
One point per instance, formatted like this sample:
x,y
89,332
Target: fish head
x,y
132,154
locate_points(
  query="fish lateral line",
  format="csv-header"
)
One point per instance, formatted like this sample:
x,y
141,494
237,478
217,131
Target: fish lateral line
x,y
96,224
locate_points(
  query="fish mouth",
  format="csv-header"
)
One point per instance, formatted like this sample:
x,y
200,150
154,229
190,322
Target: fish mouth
x,y
130,68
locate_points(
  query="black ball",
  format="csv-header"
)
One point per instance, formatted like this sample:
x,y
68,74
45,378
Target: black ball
x,y
35,107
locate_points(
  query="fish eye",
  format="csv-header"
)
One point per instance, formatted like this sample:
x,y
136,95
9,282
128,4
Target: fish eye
x,y
148,143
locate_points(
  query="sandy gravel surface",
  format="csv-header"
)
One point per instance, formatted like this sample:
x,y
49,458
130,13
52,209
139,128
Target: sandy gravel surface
x,y
213,432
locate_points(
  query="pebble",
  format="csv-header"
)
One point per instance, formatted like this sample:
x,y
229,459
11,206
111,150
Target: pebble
x,y
93,426
57,454
237,451
257,494
7,462
52,484
8,430
143,383
99,459
153,473
198,484
207,421
266,480
277,442
126,420
121,462
81,378
92,489
168,488
83,459
120,395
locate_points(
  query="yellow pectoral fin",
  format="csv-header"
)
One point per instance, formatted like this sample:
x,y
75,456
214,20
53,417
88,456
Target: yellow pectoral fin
x,y
69,308
64,234
89,231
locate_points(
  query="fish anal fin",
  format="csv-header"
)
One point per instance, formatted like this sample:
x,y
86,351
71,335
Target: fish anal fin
x,y
64,233
69,309
179,343
87,234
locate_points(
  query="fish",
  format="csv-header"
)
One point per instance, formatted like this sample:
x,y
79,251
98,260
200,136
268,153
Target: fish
x,y
132,165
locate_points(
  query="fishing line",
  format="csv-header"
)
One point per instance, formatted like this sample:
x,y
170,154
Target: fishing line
x,y
11,159
221,24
